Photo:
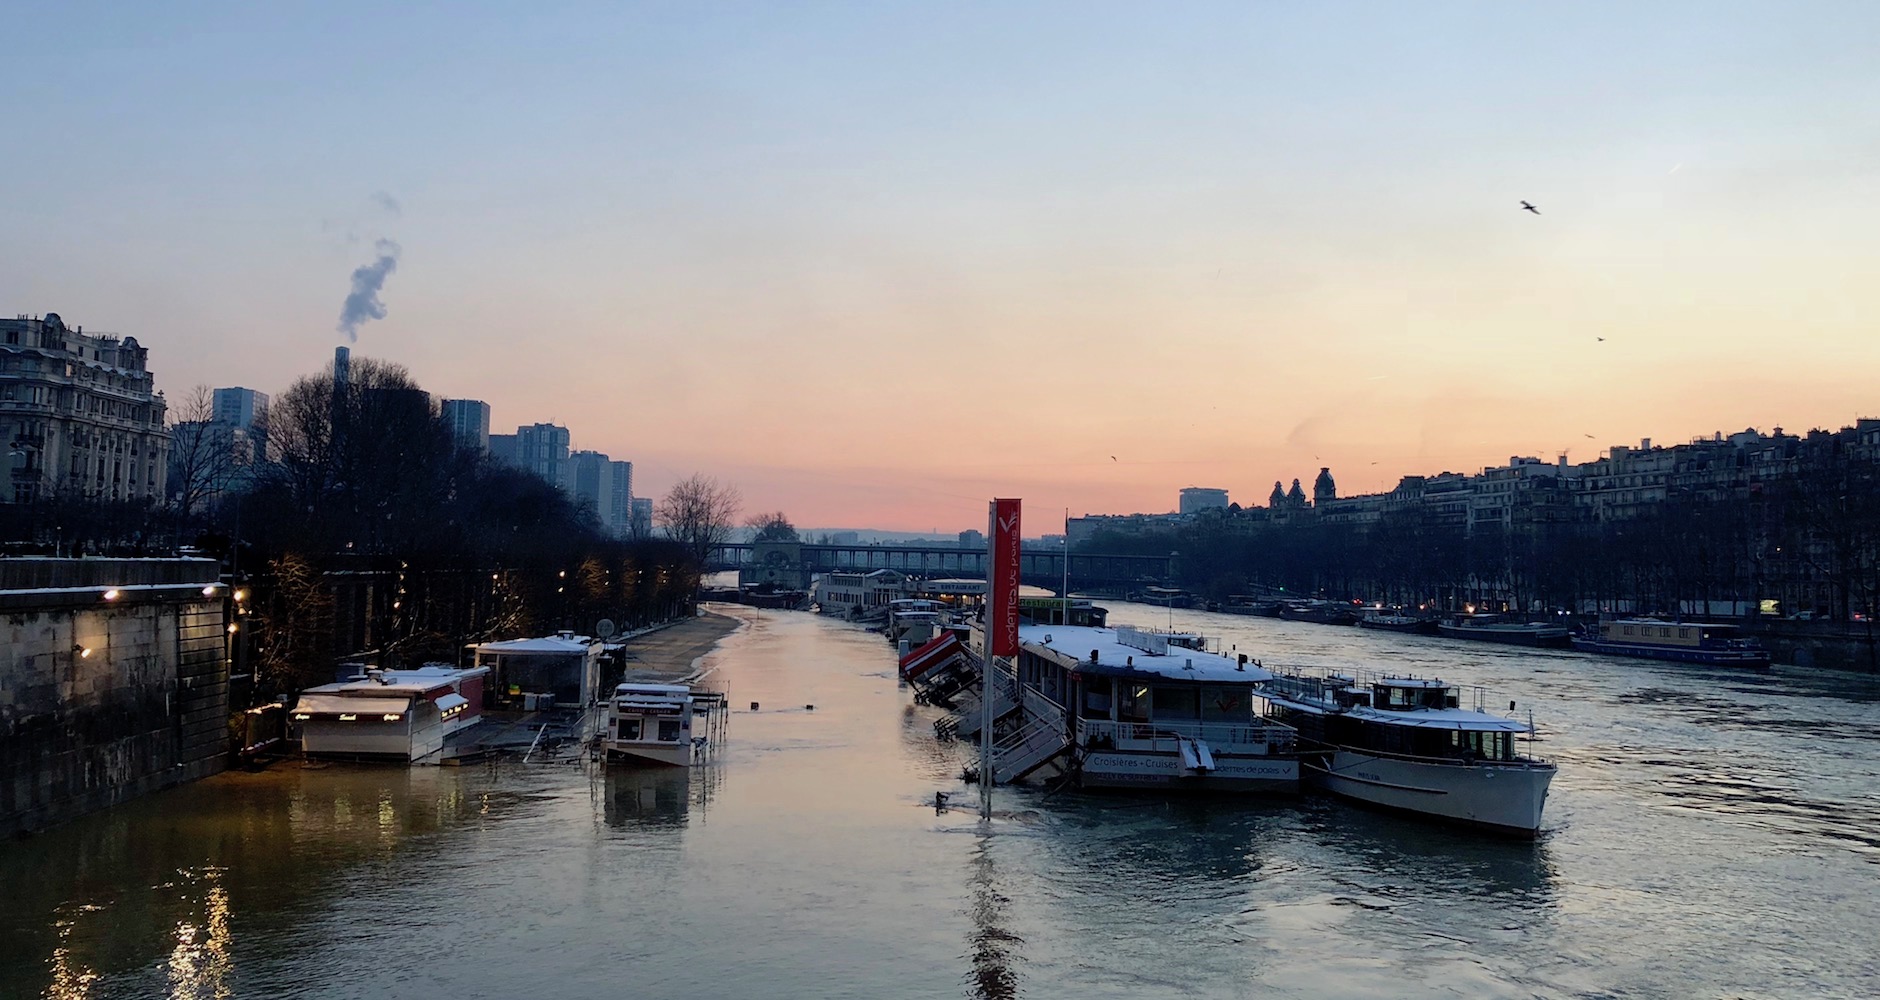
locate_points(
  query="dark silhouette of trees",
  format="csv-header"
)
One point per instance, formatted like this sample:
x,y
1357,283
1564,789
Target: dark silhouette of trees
x,y
699,513
772,527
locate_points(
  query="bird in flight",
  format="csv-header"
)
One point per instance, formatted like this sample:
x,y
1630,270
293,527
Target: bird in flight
x,y
1589,435
1530,208
1112,458
1600,339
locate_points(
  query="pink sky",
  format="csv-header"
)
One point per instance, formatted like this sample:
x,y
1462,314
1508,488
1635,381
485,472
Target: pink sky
x,y
874,265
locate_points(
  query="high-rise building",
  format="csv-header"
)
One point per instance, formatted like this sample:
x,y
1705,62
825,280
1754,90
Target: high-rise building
x,y
642,517
620,517
543,450
591,483
469,423
78,414
239,407
503,450
1200,498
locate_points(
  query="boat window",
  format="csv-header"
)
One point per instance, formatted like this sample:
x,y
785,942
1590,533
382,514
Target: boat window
x,y
1223,704
1134,706
669,730
1177,703
1628,630
1684,633
629,729
1096,698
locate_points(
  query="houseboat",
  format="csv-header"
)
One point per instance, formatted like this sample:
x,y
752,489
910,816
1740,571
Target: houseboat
x,y
1409,744
916,620
389,714
1125,708
859,594
662,724
1165,597
1318,612
1684,642
1491,628
1405,624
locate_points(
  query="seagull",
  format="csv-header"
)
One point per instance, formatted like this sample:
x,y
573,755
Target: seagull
x,y
1112,458
1530,208
1589,435
1600,339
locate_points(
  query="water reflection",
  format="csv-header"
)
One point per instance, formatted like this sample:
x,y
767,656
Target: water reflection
x,y
990,945
655,796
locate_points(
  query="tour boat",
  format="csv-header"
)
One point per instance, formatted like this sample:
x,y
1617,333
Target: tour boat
x,y
1685,642
662,723
1408,744
1126,708
1490,629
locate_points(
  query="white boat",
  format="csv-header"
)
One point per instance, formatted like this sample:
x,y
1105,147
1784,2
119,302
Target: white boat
x,y
1125,708
1408,744
662,723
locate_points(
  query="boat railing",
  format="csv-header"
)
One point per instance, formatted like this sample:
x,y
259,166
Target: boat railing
x,y
1319,687
1518,760
1164,736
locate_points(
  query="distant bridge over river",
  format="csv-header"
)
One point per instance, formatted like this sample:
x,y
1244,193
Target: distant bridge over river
x,y
1039,568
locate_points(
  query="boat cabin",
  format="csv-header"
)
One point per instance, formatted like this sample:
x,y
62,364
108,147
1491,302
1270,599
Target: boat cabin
x,y
1407,716
1689,635
655,722
1130,689
395,714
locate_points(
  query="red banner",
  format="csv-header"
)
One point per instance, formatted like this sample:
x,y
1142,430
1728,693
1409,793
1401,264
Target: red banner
x,y
1002,579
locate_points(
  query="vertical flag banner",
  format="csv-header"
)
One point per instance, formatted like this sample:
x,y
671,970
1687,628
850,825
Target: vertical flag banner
x,y
1002,578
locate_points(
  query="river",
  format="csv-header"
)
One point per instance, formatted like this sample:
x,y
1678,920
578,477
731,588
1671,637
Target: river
x,y
1710,834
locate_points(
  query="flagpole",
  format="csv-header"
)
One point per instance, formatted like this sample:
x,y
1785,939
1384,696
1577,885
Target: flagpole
x,y
986,662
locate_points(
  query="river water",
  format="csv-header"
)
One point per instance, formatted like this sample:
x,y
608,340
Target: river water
x,y
1710,834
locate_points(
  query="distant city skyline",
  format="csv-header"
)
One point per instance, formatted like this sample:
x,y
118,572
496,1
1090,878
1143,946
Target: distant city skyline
x,y
1141,249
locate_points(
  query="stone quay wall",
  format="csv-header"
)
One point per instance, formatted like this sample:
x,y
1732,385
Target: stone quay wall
x,y
113,683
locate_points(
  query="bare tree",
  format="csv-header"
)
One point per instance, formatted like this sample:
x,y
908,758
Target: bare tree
x,y
772,527
699,513
204,456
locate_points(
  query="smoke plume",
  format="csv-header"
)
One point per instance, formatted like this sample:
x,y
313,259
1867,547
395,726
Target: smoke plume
x,y
363,304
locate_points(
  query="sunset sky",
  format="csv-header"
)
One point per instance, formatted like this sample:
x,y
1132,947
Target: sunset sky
x,y
874,263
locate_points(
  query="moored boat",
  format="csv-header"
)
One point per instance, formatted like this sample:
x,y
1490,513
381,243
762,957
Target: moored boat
x,y
662,723
1126,708
1684,642
1165,597
1318,612
1489,628
1408,744
1399,623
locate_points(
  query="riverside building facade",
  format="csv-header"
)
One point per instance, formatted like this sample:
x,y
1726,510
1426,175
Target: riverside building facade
x,y
78,414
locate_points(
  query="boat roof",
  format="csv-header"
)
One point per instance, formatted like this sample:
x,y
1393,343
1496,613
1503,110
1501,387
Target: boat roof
x,y
545,644
1296,691
634,687
334,703
1073,645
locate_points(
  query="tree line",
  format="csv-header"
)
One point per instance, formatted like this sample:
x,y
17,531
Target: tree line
x,y
1809,543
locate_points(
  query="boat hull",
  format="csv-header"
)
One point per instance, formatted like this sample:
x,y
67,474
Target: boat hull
x,y
1548,638
667,754
1748,659
1503,798
1116,769
1406,628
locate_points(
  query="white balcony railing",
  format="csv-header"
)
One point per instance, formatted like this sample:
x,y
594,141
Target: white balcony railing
x,y
1222,737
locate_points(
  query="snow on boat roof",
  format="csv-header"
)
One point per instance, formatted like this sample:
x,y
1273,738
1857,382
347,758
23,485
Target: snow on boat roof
x,y
1114,656
546,644
634,687
333,703
1462,719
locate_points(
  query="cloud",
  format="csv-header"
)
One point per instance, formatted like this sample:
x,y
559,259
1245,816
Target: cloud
x,y
385,201
363,304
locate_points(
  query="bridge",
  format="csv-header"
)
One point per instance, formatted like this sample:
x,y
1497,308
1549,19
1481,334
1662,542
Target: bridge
x,y
1039,568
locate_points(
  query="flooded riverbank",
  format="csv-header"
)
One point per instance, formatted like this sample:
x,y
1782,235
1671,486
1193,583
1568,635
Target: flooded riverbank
x,y
1710,835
